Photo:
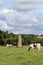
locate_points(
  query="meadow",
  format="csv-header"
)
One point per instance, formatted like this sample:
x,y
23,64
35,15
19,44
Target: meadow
x,y
20,56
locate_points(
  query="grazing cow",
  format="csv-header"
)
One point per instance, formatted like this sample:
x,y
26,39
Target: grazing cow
x,y
31,47
7,45
34,46
38,46
10,45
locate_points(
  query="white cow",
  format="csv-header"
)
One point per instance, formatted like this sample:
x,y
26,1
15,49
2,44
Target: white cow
x,y
31,47
7,45
34,46
38,46
10,45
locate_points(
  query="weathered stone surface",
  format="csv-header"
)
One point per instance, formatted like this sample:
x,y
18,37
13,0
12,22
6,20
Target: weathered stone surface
x,y
19,41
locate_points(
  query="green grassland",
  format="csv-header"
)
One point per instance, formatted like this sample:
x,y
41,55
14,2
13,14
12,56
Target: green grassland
x,y
20,56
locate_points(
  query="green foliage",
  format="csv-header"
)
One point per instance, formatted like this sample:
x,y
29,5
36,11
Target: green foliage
x,y
13,38
28,39
12,41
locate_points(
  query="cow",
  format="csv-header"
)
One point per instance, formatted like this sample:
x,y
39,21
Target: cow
x,y
38,46
31,47
34,46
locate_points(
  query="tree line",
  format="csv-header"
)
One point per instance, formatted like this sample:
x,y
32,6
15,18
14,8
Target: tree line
x,y
10,38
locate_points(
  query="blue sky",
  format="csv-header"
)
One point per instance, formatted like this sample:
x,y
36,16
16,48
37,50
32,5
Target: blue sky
x,y
21,16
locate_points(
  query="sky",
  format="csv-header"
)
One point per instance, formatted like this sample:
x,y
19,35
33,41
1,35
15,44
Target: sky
x,y
21,16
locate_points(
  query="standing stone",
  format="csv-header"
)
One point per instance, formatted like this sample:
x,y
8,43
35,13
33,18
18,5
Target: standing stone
x,y
19,41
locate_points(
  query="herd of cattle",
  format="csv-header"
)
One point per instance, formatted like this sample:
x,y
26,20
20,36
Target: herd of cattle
x,y
31,46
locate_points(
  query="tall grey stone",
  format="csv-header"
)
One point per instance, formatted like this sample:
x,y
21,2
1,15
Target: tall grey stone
x,y
19,41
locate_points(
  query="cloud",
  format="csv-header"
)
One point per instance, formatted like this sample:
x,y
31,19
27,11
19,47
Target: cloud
x,y
1,3
28,1
22,7
26,5
4,26
22,21
14,18
4,11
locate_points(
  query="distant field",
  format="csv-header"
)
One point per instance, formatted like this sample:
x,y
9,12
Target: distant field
x,y
20,56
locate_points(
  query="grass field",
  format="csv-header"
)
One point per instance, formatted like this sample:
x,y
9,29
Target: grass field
x,y
20,56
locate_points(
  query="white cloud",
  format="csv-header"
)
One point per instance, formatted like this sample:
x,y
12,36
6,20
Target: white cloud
x,y
1,3
28,1
25,5
22,6
23,16
22,21
35,19
4,11
15,18
4,26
